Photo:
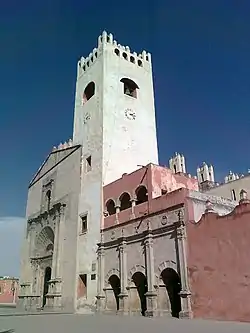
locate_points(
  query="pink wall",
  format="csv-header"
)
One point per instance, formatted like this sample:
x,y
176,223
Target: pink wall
x,y
218,264
7,294
156,179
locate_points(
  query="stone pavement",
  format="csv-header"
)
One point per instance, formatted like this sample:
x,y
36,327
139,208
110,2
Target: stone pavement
x,y
58,323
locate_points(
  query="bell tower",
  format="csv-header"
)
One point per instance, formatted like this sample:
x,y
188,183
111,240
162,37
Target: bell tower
x,y
114,121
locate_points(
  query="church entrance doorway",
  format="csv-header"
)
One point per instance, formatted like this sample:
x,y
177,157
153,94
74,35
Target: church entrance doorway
x,y
172,282
114,282
140,282
47,278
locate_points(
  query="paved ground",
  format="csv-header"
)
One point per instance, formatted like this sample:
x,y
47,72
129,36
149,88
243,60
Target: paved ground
x,y
108,324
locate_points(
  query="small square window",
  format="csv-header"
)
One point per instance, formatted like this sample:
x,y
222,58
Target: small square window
x,y
93,277
84,222
88,164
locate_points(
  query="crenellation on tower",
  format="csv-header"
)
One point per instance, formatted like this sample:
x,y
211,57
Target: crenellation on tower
x,y
121,51
231,177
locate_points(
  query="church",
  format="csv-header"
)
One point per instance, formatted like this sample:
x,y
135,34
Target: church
x,y
108,229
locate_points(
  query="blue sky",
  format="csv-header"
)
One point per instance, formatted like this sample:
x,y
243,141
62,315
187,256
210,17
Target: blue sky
x,y
200,53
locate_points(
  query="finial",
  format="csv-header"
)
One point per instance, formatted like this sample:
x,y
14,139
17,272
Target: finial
x,y
209,207
70,143
243,197
60,146
54,148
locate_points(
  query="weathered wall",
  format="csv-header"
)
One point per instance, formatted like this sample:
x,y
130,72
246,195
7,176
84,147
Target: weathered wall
x,y
66,189
225,190
218,263
8,290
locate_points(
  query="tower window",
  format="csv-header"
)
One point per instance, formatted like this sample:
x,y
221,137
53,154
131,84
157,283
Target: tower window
x,y
140,63
202,177
129,87
84,223
48,199
175,170
88,164
89,91
233,195
117,52
132,59
125,56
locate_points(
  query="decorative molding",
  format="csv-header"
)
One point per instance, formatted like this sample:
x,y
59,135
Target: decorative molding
x,y
113,271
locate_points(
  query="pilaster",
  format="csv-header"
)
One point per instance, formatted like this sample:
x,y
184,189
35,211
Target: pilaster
x,y
185,293
100,283
151,295
123,296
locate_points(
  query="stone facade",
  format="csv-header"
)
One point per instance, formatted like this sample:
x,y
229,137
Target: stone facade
x,y
48,263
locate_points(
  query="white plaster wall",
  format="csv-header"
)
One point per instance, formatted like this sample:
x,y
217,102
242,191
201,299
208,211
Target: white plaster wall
x,y
132,142
221,206
116,144
225,190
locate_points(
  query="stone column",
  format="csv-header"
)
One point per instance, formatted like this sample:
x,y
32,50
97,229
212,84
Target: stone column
x,y
61,227
117,211
185,294
100,282
151,295
133,204
123,296
56,246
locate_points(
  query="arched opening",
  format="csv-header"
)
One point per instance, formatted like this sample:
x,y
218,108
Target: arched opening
x,y
89,91
172,282
141,194
125,201
129,87
175,170
48,199
44,242
132,59
110,206
47,277
114,282
140,282
125,56
140,63
117,52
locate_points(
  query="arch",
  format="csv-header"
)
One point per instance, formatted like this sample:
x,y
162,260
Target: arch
x,y
89,91
140,282
140,63
47,278
115,284
113,271
132,59
134,269
129,87
141,194
44,241
125,201
125,56
110,207
167,264
117,52
172,282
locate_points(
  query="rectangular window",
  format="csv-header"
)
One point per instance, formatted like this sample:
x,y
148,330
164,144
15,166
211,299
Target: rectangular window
x,y
93,277
84,223
233,195
88,164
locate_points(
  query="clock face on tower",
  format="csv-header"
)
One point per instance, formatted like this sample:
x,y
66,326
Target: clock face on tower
x,y
86,117
130,114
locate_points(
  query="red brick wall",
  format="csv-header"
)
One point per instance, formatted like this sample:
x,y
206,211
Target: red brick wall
x,y
7,295
219,265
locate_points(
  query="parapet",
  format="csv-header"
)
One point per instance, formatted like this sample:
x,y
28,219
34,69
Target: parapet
x,y
64,145
121,51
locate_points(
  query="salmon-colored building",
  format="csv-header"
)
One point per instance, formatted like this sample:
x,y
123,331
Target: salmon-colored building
x,y
169,250
8,290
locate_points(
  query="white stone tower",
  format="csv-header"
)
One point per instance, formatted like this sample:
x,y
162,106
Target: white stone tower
x,y
177,163
115,123
205,173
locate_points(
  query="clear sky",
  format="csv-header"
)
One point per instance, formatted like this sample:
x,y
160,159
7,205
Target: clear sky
x,y
200,52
